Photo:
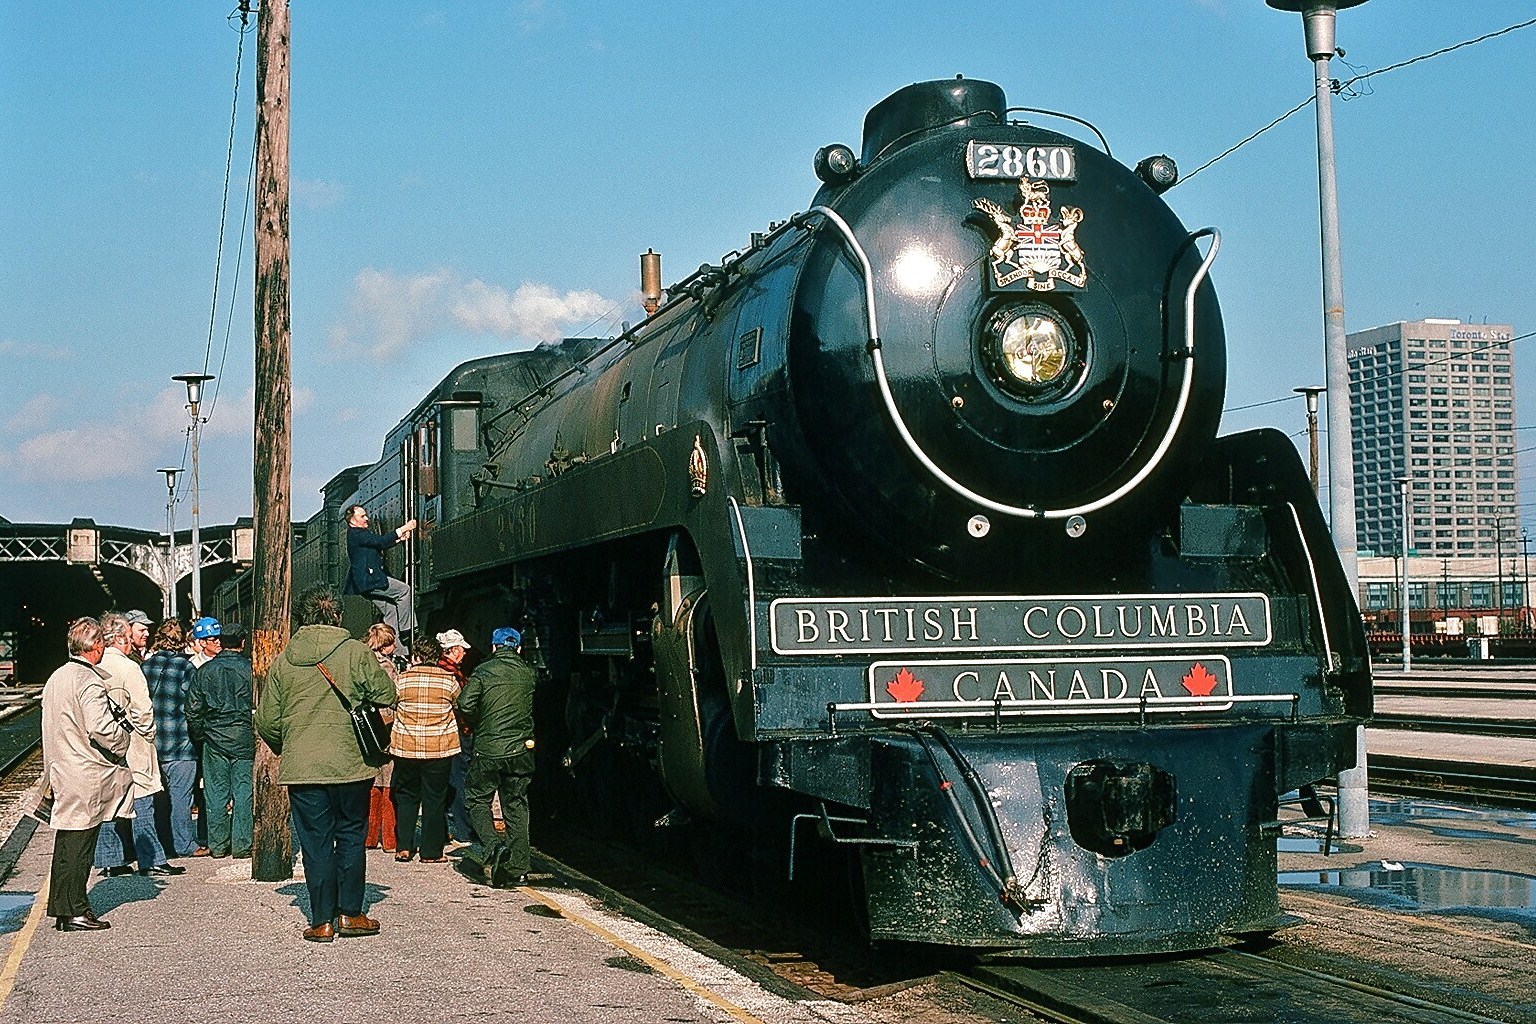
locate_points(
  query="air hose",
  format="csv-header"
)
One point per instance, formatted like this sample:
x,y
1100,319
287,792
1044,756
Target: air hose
x,y
1010,893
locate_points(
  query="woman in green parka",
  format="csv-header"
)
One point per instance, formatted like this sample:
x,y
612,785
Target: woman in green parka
x,y
301,717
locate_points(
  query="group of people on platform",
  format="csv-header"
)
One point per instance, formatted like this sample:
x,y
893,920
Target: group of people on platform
x,y
122,725
116,733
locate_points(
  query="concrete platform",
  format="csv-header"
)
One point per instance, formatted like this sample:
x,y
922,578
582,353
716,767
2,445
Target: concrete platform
x,y
1446,746
212,945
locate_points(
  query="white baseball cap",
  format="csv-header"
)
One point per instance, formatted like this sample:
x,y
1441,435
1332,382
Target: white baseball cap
x,y
452,638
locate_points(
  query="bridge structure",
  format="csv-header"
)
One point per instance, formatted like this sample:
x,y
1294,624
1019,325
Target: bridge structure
x,y
52,573
84,542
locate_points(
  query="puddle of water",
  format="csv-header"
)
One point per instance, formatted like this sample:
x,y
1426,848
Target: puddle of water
x,y
1493,894
1400,812
14,908
1301,844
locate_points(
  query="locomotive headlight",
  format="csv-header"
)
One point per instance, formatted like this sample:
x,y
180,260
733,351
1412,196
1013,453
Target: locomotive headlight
x,y
1029,348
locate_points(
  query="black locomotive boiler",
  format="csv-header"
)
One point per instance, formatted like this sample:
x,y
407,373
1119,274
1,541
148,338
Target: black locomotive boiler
x,y
904,535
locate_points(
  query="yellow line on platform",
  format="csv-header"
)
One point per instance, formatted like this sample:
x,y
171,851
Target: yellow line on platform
x,y
658,965
22,941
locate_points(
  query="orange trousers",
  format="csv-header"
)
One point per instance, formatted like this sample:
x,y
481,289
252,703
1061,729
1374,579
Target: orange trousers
x,y
381,819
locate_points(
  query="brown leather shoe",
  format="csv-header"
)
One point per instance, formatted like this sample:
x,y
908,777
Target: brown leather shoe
x,y
360,924
81,923
323,932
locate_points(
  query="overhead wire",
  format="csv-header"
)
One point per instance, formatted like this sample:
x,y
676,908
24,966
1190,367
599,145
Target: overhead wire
x,y
1394,372
243,11
1342,88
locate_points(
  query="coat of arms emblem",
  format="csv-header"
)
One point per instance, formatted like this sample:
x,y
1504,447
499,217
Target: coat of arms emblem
x,y
1035,251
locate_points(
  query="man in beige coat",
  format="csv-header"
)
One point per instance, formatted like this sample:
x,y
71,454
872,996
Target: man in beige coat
x,y
85,767
127,686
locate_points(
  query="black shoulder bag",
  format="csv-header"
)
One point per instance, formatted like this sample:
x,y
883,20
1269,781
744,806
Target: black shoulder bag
x,y
367,724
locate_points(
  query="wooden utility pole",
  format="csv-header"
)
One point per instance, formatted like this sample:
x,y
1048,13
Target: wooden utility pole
x,y
272,851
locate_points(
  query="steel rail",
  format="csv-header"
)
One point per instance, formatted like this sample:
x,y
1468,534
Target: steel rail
x,y
1514,728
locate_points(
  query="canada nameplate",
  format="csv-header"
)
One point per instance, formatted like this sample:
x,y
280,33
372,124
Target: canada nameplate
x,y
867,625
938,689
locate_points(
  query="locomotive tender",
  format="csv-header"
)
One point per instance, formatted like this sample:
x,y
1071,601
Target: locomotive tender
x,y
905,534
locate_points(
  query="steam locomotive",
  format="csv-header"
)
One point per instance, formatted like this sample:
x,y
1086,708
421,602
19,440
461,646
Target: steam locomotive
x,y
904,535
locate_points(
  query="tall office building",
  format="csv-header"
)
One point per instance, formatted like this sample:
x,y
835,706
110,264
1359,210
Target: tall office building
x,y
1434,400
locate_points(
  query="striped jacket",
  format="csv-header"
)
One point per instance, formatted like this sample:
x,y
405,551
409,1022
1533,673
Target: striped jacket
x,y
424,726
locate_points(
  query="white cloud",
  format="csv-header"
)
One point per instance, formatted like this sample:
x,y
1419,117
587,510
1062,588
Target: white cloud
x,y
319,195
387,312
29,350
34,414
533,311
78,454
534,15
119,447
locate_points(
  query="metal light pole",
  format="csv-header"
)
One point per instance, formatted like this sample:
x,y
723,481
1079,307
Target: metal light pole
x,y
1405,483
170,540
194,383
1312,391
1525,591
1318,18
1498,565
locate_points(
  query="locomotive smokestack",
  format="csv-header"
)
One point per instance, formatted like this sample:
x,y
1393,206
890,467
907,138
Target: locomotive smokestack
x,y
901,117
650,280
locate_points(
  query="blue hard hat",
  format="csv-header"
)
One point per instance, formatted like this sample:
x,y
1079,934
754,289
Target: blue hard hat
x,y
205,627
506,636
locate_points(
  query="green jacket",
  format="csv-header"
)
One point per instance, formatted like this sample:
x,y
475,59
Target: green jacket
x,y
497,703
301,718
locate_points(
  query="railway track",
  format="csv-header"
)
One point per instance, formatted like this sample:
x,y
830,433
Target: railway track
x,y
21,724
1469,725
1260,981
1499,785
1229,985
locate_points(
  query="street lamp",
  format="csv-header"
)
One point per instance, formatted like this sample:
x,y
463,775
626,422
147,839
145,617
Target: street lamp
x,y
194,383
1525,592
1405,482
1312,391
1498,565
170,539
1318,18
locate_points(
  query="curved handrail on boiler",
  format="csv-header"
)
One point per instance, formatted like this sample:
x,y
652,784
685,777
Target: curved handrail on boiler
x,y
830,216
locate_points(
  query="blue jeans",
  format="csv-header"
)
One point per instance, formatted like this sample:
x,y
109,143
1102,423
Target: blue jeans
x,y
110,849
330,821
458,819
227,795
180,778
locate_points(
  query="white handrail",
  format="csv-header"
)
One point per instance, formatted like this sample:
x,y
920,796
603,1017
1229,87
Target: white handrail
x,y
830,216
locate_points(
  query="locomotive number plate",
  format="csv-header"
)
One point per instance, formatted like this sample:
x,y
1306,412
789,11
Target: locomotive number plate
x,y
1042,163
1182,683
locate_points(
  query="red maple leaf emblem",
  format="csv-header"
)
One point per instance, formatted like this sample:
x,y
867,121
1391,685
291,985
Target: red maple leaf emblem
x,y
906,687
1199,682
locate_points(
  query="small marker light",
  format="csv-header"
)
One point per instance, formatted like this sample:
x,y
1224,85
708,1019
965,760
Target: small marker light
x,y
1159,172
836,164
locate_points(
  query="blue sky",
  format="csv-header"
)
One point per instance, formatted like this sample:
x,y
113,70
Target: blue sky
x,y
475,177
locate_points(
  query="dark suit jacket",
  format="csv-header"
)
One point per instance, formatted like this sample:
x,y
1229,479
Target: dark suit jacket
x,y
365,553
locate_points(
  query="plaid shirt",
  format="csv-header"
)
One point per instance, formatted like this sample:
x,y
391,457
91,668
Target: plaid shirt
x,y
424,726
169,674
